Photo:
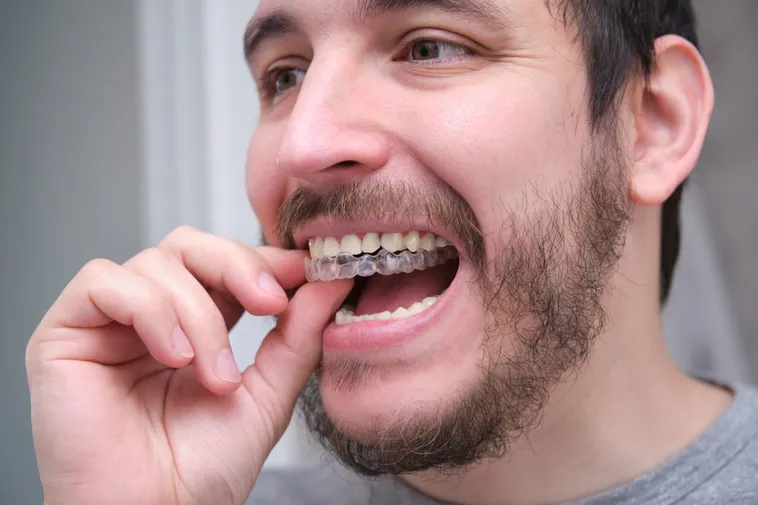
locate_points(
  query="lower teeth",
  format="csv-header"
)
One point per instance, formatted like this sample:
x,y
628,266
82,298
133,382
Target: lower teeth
x,y
347,266
347,315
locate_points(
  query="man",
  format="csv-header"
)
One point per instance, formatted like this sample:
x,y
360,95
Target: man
x,y
471,211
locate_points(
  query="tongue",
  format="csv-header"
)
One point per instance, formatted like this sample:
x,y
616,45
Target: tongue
x,y
391,292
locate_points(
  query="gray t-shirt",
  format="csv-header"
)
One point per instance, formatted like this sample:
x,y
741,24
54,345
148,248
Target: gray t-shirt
x,y
719,468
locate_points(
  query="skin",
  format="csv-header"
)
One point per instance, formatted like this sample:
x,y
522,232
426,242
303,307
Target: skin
x,y
113,395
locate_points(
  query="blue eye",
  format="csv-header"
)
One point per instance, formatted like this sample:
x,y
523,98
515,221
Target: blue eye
x,y
284,79
430,50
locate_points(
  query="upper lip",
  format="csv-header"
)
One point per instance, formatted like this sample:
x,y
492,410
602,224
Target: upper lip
x,y
339,228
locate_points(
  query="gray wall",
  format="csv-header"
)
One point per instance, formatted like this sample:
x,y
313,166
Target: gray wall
x,y
728,169
69,179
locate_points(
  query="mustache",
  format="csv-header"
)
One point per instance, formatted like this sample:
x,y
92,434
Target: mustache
x,y
394,201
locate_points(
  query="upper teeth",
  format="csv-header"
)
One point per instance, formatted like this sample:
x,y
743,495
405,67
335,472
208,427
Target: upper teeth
x,y
371,242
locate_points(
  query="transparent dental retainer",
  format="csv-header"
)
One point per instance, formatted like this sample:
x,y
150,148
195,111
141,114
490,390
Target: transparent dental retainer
x,y
383,262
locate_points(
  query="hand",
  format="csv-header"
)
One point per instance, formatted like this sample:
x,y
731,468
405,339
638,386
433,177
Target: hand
x,y
135,395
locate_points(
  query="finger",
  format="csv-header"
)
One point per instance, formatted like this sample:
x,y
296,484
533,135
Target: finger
x,y
99,295
290,352
255,277
199,318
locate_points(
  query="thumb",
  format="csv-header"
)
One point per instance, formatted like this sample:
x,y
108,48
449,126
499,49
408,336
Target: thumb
x,y
290,352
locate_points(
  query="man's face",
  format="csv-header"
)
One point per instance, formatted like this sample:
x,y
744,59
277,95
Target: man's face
x,y
462,118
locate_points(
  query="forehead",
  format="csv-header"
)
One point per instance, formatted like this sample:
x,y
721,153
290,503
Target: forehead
x,y
361,9
279,17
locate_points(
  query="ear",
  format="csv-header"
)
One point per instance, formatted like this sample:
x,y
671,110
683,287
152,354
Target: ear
x,y
671,120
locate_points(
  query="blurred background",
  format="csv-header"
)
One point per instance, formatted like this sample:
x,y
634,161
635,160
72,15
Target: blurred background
x,y
120,120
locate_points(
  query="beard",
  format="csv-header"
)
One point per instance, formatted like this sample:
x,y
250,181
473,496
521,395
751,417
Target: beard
x,y
542,290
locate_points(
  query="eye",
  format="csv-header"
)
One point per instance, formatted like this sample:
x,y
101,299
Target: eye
x,y
282,79
433,50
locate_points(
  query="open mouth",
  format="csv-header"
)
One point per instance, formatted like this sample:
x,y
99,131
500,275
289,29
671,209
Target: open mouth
x,y
397,275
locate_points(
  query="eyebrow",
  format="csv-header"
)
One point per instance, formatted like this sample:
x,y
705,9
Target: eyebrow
x,y
281,22
268,27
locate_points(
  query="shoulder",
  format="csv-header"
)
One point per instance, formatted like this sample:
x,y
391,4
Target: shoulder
x,y
330,484
323,485
734,461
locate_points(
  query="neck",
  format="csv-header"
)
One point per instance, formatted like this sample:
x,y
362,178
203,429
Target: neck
x,y
624,414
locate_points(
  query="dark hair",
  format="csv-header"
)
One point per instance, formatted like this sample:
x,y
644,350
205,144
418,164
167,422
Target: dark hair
x,y
618,39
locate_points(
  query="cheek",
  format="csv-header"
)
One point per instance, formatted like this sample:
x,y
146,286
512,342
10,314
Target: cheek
x,y
506,140
265,184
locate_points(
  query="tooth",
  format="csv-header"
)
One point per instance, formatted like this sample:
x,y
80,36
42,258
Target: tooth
x,y
351,244
416,308
432,257
418,260
317,251
393,242
400,313
366,266
340,317
412,241
331,247
371,243
427,242
346,315
347,266
441,242
386,262
327,270
384,316
429,301
311,271
405,262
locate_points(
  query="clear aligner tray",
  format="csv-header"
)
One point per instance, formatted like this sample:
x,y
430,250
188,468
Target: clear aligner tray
x,y
383,262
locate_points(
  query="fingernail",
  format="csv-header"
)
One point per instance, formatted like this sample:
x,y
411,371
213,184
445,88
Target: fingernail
x,y
181,343
268,284
226,368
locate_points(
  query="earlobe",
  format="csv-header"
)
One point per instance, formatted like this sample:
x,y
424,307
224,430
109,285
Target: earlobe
x,y
671,120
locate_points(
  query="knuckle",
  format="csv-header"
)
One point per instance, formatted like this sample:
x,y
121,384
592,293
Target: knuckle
x,y
245,253
246,257
155,300
147,261
30,355
35,355
208,311
241,261
179,235
152,255
97,268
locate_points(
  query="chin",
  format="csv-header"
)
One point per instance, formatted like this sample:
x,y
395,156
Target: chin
x,y
364,399
407,411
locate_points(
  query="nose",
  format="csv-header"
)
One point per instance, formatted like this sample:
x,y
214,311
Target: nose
x,y
332,134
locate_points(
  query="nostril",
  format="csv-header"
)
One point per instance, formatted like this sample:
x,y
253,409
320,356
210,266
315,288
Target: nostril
x,y
346,164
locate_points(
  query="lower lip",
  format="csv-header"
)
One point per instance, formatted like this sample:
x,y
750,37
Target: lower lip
x,y
380,335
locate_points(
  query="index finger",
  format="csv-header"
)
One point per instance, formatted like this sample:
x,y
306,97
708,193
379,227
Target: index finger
x,y
255,277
